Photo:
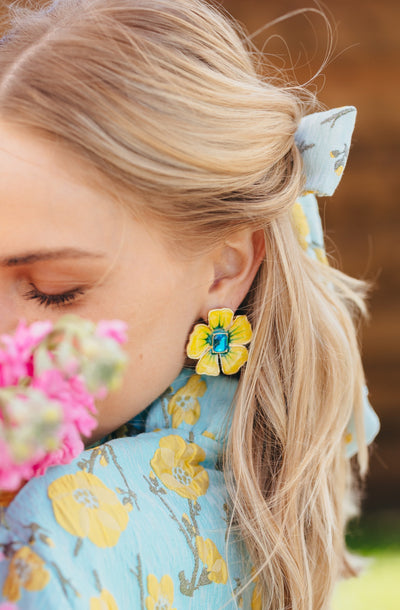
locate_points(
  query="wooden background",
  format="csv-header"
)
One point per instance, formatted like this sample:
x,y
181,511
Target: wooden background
x,y
362,219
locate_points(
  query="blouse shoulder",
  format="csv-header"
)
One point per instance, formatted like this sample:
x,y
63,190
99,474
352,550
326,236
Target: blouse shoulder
x,y
134,521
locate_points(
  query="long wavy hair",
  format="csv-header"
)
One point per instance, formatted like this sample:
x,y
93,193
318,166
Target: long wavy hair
x,y
167,99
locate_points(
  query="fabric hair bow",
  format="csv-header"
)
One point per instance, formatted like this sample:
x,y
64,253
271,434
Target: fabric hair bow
x,y
323,139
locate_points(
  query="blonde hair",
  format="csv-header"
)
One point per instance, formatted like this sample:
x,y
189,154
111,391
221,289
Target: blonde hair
x,y
164,98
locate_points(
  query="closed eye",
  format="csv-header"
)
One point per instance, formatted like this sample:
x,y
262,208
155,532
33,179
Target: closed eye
x,y
56,300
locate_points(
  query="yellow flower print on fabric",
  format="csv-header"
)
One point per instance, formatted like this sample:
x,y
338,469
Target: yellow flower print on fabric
x,y
184,405
339,167
210,556
220,343
26,571
86,508
348,438
176,463
104,602
302,230
161,594
256,595
340,157
321,256
256,598
300,224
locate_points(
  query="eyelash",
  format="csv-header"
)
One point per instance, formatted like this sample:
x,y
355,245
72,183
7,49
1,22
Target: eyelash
x,y
53,300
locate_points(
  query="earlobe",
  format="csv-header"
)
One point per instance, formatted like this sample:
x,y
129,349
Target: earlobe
x,y
235,266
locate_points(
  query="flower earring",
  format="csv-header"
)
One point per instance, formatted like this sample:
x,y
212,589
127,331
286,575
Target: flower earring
x,y
220,344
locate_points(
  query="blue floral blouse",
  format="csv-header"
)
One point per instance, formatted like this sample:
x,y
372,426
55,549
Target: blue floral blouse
x,y
137,522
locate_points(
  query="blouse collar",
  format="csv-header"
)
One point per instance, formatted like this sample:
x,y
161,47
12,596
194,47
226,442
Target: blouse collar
x,y
193,406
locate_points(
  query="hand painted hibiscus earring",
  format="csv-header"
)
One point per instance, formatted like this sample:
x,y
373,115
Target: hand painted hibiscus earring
x,y
220,344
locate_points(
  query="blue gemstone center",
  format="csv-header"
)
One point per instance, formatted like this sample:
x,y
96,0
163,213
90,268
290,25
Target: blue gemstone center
x,y
220,342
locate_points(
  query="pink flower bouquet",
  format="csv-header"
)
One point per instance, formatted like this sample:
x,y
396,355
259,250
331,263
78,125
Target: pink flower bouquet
x,y
50,376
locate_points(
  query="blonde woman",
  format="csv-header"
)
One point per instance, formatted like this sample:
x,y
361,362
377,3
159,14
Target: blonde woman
x,y
149,173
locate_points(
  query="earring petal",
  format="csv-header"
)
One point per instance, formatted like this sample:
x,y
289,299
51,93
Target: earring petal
x,y
220,318
240,331
198,341
208,365
234,359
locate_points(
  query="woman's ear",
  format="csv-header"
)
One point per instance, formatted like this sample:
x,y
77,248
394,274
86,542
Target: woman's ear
x,y
236,263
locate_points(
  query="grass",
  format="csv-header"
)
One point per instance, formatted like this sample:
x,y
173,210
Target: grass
x,y
376,537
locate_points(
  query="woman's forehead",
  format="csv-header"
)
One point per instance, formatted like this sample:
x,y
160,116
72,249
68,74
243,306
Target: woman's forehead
x,y
42,156
47,210
43,191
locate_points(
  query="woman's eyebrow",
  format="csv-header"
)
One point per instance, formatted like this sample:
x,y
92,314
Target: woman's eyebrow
x,y
27,258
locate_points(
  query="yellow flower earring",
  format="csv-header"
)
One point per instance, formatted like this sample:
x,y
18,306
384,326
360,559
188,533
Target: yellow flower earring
x,y
221,343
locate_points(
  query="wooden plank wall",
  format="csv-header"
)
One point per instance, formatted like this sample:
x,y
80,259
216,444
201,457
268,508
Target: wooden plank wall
x,y
362,219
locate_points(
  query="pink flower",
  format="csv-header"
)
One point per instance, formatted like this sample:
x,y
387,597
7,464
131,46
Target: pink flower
x,y
115,329
76,401
50,376
16,360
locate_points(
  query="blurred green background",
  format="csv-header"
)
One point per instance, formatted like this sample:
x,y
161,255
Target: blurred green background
x,y
376,537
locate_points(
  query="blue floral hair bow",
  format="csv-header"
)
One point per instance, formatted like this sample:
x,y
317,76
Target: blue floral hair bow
x,y
323,139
